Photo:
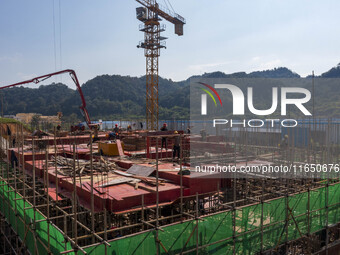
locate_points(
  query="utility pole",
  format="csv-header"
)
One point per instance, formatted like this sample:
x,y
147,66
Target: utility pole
x,y
2,104
313,95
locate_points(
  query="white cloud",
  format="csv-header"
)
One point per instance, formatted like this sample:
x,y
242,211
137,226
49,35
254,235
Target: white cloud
x,y
13,59
260,63
271,64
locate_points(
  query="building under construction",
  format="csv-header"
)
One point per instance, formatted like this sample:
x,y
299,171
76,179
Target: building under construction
x,y
63,193
136,191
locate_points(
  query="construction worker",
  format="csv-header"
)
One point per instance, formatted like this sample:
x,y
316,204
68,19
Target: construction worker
x,y
177,147
58,130
14,159
95,137
203,135
116,129
129,128
80,127
284,143
9,133
112,136
284,146
164,141
38,133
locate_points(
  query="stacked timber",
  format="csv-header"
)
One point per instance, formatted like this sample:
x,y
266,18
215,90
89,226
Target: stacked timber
x,y
80,167
134,143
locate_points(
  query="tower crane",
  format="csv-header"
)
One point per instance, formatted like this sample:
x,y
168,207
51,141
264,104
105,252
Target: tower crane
x,y
150,14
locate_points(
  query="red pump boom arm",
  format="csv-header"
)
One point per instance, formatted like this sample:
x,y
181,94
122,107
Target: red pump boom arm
x,y
74,77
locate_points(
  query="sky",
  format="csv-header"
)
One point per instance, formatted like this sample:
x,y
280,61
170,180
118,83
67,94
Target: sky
x,y
100,37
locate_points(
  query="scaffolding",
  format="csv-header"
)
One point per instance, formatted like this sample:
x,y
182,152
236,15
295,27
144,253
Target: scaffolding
x,y
243,216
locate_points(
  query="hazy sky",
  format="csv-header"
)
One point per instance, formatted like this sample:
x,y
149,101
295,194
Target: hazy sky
x,y
100,37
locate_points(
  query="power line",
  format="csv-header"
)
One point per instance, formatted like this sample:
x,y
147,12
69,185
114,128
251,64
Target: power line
x,y
54,38
60,47
166,4
171,6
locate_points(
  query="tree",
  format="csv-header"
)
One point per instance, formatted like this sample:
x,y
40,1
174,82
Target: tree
x,y
35,122
72,119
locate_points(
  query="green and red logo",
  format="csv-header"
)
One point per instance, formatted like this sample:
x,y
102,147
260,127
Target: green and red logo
x,y
204,97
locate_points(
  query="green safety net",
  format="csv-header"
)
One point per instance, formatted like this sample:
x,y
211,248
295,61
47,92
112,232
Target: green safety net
x,y
12,207
212,234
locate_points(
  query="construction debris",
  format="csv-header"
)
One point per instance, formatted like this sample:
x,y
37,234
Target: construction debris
x,y
80,167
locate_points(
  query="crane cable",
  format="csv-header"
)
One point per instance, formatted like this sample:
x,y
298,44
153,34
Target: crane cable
x,y
167,6
171,6
60,48
55,38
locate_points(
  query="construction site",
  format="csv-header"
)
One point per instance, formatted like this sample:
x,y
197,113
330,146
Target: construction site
x,y
132,188
62,196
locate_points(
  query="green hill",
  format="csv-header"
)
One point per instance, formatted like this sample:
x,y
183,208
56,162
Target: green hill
x,y
114,96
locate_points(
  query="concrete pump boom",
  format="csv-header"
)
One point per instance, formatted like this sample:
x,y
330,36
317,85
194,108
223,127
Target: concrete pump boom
x,y
74,77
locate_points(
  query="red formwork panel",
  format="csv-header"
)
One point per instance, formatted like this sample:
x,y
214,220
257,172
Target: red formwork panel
x,y
211,147
62,150
28,154
196,183
123,196
126,164
216,138
115,198
81,151
65,140
151,153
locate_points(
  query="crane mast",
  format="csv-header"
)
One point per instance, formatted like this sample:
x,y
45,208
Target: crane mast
x,y
153,42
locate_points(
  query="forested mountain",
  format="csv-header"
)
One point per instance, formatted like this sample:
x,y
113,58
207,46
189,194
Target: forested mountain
x,y
280,72
106,96
115,96
333,73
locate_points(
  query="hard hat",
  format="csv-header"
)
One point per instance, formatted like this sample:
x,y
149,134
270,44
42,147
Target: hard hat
x,y
286,136
116,125
176,132
164,124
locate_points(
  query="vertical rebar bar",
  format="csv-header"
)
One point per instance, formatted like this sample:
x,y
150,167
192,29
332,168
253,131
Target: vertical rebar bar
x,y
157,199
92,194
75,230
181,176
47,203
